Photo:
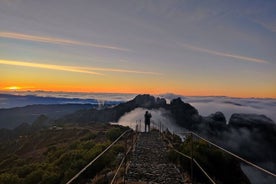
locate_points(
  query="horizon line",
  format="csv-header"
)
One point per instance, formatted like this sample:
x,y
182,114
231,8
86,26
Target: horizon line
x,y
6,91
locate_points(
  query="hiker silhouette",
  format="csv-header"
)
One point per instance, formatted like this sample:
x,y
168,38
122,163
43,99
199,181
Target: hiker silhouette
x,y
147,121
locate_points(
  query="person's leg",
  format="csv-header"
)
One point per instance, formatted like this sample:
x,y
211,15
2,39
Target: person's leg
x,y
145,127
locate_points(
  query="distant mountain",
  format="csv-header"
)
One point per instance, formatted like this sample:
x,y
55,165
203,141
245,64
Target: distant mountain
x,y
10,101
11,118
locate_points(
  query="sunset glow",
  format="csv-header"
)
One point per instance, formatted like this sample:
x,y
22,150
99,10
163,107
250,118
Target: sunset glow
x,y
188,48
12,88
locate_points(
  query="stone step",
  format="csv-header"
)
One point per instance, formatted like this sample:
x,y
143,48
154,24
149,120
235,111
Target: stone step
x,y
149,163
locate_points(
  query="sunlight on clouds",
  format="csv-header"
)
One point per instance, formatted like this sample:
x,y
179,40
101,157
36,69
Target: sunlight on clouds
x,y
78,69
13,88
223,54
17,88
120,70
51,40
48,66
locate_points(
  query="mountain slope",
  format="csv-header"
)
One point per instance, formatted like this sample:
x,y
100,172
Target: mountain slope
x,y
11,118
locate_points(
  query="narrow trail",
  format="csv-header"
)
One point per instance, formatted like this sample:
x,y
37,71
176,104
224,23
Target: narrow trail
x,y
149,162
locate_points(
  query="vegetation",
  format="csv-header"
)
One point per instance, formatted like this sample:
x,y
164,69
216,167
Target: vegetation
x,y
54,155
222,167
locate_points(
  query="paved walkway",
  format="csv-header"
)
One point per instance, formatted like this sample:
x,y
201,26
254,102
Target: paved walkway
x,y
149,163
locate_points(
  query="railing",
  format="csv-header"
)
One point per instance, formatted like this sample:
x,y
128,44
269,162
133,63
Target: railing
x,y
194,161
103,152
234,155
163,128
124,160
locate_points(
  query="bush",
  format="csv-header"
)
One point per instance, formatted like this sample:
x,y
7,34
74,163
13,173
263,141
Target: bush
x,y
23,171
50,178
87,145
9,178
114,133
216,162
34,177
88,137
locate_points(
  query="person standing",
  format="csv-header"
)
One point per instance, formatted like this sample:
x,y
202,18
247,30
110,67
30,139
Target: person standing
x,y
147,121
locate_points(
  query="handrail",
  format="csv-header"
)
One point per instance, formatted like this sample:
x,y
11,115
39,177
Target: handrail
x,y
116,173
236,156
199,166
119,167
90,163
206,174
183,154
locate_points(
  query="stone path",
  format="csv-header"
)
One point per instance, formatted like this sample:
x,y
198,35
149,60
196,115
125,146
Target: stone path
x,y
149,163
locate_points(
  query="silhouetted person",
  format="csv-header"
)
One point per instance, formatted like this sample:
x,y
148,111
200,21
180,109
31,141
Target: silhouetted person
x,y
147,121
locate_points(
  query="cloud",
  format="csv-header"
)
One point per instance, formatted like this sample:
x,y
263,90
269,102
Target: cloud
x,y
59,41
223,54
120,70
271,26
78,69
48,66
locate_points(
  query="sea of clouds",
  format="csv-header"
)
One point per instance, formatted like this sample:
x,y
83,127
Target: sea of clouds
x,y
205,104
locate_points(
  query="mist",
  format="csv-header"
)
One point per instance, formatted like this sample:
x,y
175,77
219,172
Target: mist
x,y
257,177
160,119
207,105
242,142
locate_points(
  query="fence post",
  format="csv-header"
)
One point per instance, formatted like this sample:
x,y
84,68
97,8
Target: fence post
x,y
140,126
125,159
192,156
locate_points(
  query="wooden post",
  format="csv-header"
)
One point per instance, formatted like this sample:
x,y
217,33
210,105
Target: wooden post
x,y
192,156
125,158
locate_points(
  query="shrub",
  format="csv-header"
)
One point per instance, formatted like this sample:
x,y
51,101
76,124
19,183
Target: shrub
x,y
9,178
50,178
114,133
34,177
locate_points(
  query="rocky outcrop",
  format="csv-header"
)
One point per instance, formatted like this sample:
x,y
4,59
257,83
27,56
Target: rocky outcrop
x,y
184,114
218,117
215,122
250,121
113,114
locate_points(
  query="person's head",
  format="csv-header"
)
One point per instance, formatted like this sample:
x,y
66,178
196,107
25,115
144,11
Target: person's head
x,y
147,112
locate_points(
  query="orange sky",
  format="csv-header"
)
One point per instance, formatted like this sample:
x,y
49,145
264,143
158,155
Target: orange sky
x,y
189,48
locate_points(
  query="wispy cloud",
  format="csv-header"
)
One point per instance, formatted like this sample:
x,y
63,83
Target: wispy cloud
x,y
48,66
78,69
224,54
60,41
120,70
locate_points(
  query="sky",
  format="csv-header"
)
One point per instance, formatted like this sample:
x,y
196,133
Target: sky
x,y
187,47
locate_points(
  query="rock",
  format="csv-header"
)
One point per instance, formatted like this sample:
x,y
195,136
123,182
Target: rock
x,y
184,114
161,101
218,117
250,121
145,101
113,114
261,131
216,121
